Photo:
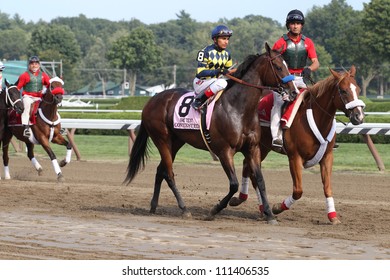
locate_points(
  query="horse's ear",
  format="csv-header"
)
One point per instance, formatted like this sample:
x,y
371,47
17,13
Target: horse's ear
x,y
334,73
6,82
352,71
267,48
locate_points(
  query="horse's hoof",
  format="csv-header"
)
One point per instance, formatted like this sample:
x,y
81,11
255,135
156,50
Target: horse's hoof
x,y
152,210
62,163
40,171
186,215
272,222
60,178
261,217
335,221
209,217
214,211
235,201
277,208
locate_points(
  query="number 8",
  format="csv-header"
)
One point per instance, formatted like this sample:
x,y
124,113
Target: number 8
x,y
200,56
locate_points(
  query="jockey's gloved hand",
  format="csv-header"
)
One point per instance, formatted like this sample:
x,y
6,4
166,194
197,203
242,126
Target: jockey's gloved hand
x,y
285,96
306,72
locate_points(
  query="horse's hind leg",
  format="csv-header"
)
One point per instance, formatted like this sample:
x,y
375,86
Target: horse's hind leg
x,y
34,161
165,171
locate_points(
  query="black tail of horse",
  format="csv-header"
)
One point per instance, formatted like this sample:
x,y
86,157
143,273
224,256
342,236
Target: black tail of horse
x,y
139,154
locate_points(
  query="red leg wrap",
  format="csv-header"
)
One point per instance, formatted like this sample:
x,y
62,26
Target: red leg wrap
x,y
332,215
243,196
284,207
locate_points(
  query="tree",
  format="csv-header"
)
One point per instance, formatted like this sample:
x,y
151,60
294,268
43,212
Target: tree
x,y
136,52
56,42
13,43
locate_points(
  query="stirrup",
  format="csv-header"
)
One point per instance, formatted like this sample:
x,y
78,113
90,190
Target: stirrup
x,y
196,105
26,133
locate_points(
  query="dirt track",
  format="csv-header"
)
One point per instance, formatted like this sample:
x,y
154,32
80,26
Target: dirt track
x,y
93,216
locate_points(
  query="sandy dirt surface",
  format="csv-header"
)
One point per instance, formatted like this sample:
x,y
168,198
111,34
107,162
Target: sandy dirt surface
x,y
93,216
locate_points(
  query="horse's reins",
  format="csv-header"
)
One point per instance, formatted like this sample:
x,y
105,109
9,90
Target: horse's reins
x,y
240,81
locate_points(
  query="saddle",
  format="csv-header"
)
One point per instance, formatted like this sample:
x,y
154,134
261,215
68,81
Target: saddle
x,y
15,119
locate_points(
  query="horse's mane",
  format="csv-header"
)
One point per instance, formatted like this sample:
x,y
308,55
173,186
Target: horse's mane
x,y
321,87
243,68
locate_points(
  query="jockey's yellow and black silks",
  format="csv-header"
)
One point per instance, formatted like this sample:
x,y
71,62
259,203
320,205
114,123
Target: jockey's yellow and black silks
x,y
211,61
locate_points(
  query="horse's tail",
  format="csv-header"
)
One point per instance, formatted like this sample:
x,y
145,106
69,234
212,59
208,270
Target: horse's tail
x,y
139,154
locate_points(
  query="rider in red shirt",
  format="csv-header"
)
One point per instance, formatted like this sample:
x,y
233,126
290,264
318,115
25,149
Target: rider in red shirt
x,y
34,83
296,49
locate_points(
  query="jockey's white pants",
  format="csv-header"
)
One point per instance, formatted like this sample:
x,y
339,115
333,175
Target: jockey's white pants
x,y
27,102
215,85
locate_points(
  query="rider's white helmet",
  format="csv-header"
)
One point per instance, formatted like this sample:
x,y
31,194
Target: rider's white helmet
x,y
2,67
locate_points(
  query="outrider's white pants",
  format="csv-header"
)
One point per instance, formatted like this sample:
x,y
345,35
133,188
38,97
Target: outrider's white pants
x,y
27,102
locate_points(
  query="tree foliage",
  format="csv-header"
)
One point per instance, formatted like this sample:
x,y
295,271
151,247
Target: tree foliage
x,y
164,53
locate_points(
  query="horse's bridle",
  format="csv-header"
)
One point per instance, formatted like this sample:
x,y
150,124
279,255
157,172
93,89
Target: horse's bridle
x,y
8,99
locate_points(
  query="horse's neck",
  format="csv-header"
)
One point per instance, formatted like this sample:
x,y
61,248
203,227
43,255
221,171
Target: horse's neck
x,y
322,106
49,110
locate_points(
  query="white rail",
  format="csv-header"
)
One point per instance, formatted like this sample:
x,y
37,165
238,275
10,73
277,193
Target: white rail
x,y
365,128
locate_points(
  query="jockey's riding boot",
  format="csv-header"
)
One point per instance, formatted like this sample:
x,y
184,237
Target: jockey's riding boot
x,y
26,132
199,100
277,145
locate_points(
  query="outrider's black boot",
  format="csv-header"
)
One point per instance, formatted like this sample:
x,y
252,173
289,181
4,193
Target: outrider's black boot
x,y
26,132
199,100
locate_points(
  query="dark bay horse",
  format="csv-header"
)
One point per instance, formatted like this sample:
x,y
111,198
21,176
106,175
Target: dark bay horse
x,y
311,137
46,129
234,128
9,98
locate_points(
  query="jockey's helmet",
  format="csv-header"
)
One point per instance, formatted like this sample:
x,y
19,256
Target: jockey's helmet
x,y
221,31
33,58
2,67
295,16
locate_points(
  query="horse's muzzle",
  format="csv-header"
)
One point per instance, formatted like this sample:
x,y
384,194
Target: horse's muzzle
x,y
356,116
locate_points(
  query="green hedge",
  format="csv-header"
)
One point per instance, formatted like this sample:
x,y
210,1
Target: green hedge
x,y
138,102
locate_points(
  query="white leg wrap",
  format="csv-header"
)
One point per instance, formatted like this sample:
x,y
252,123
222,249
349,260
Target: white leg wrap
x,y
68,155
259,196
245,185
7,175
330,205
56,166
289,201
35,163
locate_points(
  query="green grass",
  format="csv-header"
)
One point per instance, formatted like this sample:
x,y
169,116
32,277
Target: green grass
x,y
354,157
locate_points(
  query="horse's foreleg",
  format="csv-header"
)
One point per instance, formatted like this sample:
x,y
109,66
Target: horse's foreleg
x,y
326,172
296,175
244,191
7,174
258,180
60,140
68,156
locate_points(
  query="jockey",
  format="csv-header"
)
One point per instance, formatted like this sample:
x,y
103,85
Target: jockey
x,y
213,62
34,83
2,67
296,48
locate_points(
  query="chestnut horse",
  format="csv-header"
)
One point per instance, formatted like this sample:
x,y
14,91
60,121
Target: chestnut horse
x,y
9,98
46,129
234,128
311,137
